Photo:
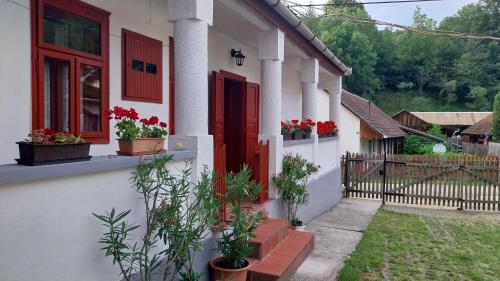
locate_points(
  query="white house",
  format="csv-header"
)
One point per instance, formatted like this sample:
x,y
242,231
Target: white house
x,y
366,129
64,62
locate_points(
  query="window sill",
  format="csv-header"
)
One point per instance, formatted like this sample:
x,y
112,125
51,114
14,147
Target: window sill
x,y
297,142
328,139
14,173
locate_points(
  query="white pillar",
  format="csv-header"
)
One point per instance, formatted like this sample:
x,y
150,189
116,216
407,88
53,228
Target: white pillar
x,y
271,55
191,19
309,79
335,90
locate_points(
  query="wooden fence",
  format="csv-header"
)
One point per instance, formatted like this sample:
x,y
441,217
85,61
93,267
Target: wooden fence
x,y
475,149
469,182
494,149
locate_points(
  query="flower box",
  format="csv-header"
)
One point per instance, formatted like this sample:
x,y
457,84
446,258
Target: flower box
x,y
141,146
287,136
35,154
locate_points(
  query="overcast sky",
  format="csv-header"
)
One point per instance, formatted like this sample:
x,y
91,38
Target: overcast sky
x,y
403,13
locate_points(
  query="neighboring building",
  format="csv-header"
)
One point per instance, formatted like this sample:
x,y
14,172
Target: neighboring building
x,y
64,62
449,121
478,132
367,129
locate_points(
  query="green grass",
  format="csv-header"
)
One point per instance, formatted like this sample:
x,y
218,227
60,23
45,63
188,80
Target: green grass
x,y
409,247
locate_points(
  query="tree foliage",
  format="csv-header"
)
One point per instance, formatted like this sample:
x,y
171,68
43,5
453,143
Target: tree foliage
x,y
434,72
496,118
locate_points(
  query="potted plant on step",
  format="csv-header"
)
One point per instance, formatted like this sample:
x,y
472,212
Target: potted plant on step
x,y
45,146
149,138
291,184
233,244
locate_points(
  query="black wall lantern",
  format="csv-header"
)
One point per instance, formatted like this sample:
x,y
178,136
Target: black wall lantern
x,y
238,57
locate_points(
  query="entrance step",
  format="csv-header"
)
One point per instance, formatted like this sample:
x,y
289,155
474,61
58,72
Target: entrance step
x,y
267,236
282,262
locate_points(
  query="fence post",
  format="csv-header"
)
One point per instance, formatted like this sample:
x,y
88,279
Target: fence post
x,y
346,174
384,177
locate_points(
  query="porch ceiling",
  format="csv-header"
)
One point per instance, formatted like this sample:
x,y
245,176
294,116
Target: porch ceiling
x,y
241,22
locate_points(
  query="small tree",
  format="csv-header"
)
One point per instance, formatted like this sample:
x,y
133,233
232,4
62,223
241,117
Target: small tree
x,y
496,118
292,182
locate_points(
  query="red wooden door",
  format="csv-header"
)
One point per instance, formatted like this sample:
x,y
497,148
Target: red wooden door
x,y
251,122
262,169
217,130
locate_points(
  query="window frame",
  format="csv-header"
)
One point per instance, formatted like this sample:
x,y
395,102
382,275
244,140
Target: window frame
x,y
125,70
40,50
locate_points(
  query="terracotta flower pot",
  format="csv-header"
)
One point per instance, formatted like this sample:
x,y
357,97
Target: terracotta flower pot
x,y
141,146
224,274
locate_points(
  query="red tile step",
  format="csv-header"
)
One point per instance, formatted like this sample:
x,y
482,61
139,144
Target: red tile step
x,y
282,262
267,236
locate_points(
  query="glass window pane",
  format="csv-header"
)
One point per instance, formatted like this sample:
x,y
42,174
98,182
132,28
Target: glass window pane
x,y
90,98
151,68
138,65
56,94
64,29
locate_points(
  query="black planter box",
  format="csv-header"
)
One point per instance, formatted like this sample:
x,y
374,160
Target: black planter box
x,y
32,154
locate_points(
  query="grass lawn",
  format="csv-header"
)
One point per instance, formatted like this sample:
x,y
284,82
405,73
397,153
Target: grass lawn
x,y
409,247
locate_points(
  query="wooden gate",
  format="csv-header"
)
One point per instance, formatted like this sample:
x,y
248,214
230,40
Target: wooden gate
x,y
462,182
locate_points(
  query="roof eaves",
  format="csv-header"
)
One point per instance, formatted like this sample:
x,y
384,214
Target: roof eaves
x,y
298,25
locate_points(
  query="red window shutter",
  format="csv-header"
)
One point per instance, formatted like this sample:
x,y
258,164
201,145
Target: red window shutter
x,y
142,68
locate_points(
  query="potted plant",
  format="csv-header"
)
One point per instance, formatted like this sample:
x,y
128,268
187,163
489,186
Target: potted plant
x,y
135,140
327,129
45,146
302,129
286,130
291,184
233,244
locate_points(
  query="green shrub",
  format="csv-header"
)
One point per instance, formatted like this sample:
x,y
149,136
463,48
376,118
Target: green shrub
x,y
291,184
496,118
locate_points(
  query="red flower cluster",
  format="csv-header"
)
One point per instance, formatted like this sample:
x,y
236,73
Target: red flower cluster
x,y
122,113
152,121
307,124
327,127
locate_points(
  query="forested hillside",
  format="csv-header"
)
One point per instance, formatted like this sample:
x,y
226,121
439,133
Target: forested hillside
x,y
399,69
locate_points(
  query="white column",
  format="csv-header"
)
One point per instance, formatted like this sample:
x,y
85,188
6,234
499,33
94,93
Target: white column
x,y
191,19
309,79
271,55
335,90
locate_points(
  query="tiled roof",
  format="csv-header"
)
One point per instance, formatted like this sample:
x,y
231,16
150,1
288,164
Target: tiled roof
x,y
451,118
372,115
483,126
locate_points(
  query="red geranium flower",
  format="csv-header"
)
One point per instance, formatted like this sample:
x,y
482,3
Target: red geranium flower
x,y
145,121
163,124
295,121
153,120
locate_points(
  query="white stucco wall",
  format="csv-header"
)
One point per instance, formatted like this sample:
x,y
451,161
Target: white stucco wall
x,y
305,150
15,77
327,156
323,105
349,132
48,232
291,102
219,56
15,80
